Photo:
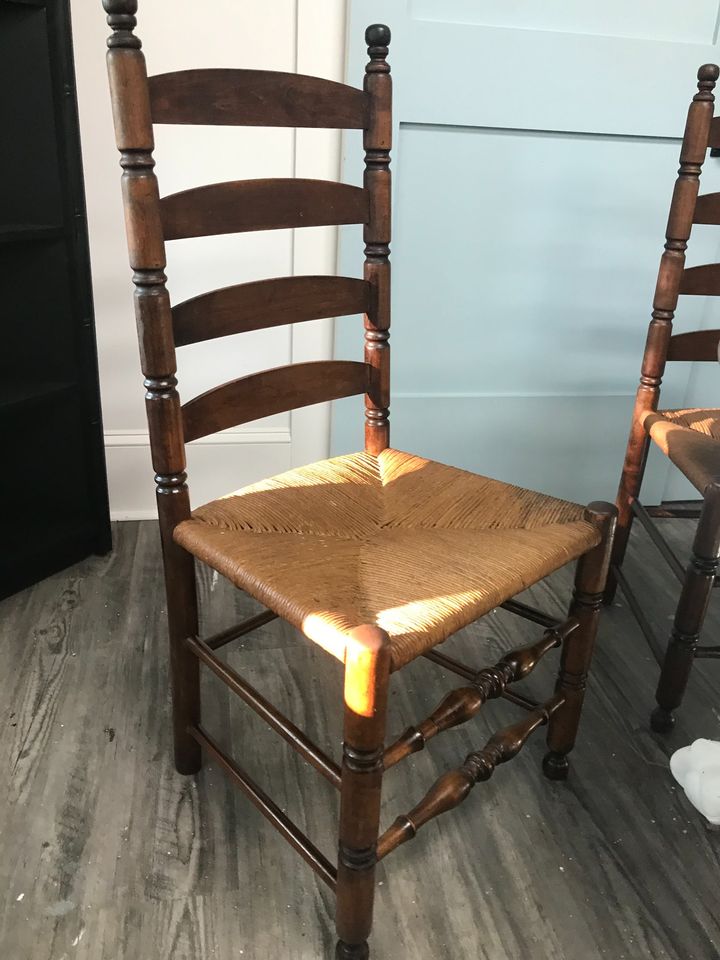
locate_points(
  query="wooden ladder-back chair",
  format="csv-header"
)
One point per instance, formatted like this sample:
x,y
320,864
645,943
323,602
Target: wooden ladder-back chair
x,y
689,438
377,556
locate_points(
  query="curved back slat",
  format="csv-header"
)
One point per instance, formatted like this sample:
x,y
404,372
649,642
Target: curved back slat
x,y
267,303
697,345
707,208
714,138
272,391
242,205
702,281
255,98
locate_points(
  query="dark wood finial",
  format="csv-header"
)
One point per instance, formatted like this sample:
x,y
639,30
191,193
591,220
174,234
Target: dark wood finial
x,y
121,17
707,78
377,37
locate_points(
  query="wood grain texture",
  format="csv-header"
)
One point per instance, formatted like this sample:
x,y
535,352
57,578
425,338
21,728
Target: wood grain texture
x,y
707,208
272,391
696,345
702,281
238,206
113,851
258,98
267,303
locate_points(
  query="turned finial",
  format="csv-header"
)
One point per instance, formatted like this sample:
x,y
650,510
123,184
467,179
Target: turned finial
x,y
707,78
121,17
377,38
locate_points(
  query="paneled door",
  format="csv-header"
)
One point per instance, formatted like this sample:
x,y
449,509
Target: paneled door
x,y
535,152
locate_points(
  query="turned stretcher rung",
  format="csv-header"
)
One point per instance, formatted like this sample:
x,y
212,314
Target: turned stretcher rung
x,y
527,612
240,629
707,653
282,823
453,787
658,539
489,683
463,670
270,714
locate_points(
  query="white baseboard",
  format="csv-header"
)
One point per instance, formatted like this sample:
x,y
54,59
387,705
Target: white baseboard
x,y
216,465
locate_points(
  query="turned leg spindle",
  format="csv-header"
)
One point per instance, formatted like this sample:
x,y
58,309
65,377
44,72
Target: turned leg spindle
x,y
590,581
690,612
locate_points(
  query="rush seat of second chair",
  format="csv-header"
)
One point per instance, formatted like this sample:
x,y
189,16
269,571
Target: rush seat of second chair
x,y
378,556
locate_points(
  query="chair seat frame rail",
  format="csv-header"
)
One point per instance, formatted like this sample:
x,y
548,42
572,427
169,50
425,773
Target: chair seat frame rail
x,y
232,97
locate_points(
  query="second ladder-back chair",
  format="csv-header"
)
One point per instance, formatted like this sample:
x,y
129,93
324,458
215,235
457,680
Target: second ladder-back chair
x,y
689,438
377,556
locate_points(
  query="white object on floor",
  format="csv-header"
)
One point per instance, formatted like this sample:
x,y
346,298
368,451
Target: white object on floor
x,y
697,769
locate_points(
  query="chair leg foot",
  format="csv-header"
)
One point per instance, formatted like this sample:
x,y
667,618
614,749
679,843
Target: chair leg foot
x,y
352,951
661,720
556,766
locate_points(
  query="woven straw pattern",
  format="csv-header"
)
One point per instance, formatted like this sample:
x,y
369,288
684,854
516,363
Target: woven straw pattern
x,y
419,548
691,439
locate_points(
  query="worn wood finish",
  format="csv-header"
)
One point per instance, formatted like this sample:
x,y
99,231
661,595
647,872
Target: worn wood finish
x,y
697,345
377,141
267,303
577,651
272,391
255,98
239,206
134,138
367,679
690,612
667,291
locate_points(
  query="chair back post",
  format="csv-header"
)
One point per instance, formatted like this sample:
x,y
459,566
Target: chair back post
x,y
680,220
146,249
377,141
667,290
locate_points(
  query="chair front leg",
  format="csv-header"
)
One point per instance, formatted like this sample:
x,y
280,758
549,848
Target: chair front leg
x,y
367,675
629,490
590,580
690,612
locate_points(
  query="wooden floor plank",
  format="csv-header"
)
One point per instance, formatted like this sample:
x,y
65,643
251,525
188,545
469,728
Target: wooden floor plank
x,y
107,854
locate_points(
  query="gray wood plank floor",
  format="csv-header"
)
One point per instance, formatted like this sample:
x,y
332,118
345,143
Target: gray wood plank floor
x,y
107,854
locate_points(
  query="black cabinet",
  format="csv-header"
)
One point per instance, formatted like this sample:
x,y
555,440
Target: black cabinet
x,y
52,479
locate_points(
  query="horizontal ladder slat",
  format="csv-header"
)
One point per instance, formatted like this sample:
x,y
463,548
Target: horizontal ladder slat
x,y
255,98
270,714
269,809
699,345
272,391
707,208
267,303
701,281
238,206
714,138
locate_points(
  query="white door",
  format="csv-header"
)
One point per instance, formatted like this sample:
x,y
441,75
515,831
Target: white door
x,y
536,146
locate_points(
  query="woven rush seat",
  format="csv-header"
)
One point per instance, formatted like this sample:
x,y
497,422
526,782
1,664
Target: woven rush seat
x,y
417,547
691,439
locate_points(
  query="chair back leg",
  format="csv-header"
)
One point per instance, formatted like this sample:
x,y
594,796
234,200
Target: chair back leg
x,y
367,675
690,612
590,581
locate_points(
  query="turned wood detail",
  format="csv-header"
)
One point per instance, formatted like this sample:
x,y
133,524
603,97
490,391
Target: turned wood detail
x,y
377,141
121,18
667,290
453,787
464,703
